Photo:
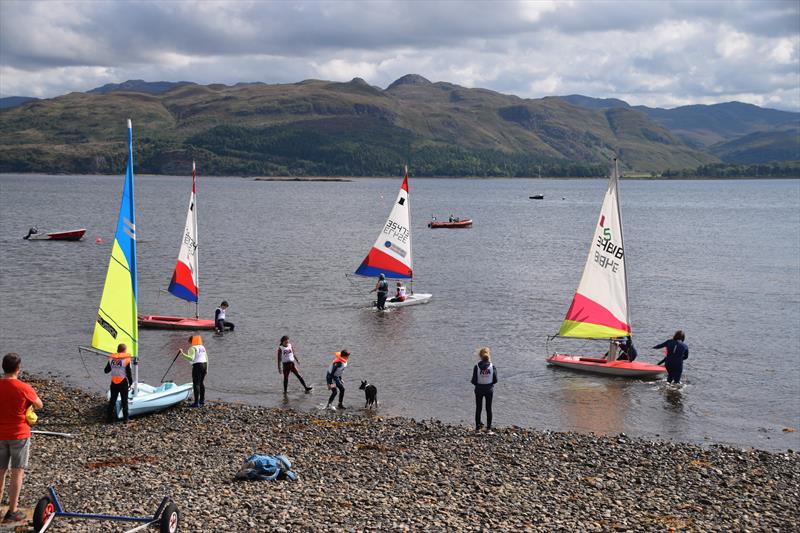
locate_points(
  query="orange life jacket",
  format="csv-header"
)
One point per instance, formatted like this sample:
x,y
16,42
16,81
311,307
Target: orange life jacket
x,y
119,362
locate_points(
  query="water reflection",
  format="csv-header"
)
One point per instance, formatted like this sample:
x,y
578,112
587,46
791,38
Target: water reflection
x,y
593,404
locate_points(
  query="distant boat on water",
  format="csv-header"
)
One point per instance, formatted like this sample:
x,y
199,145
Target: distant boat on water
x,y
69,235
536,197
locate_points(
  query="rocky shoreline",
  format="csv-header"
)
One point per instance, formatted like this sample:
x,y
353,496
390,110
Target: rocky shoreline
x,y
359,471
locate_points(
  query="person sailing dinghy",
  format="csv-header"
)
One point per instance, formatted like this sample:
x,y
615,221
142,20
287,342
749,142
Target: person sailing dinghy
x,y
117,317
390,256
600,308
186,276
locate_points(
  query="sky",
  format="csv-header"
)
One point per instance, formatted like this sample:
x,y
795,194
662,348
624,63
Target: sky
x,y
654,53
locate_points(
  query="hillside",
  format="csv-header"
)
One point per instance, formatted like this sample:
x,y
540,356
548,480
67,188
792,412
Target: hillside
x,y
318,127
761,146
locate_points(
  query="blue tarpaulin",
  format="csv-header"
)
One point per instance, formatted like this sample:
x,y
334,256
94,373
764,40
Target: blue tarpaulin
x,y
266,468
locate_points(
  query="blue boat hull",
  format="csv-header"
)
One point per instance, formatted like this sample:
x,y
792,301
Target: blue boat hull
x,y
149,399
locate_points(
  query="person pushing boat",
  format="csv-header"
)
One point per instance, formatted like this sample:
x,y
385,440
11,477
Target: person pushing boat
x,y
382,288
676,352
287,364
119,366
219,319
198,356
334,377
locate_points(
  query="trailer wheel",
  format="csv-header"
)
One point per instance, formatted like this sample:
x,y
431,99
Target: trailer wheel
x,y
170,519
41,514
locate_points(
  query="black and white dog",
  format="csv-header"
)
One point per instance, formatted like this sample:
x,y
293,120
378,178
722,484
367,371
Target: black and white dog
x,y
370,393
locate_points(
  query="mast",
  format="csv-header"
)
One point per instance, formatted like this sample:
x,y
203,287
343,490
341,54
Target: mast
x,y
410,237
622,241
196,242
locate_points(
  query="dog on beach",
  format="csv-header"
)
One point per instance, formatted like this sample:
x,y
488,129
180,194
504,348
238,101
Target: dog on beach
x,y
370,393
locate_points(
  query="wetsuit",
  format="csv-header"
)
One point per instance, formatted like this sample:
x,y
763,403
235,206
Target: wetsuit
x,y
484,376
289,366
219,321
334,376
629,352
383,292
199,357
677,352
119,366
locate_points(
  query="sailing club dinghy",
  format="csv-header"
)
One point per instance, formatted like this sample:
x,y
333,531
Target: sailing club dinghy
x,y
116,319
391,253
600,308
185,278
69,235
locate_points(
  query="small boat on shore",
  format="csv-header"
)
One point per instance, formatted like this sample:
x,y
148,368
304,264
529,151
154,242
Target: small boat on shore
x,y
536,197
452,223
70,235
599,308
391,253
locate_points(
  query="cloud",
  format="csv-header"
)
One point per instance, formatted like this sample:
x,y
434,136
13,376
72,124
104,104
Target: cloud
x,y
652,53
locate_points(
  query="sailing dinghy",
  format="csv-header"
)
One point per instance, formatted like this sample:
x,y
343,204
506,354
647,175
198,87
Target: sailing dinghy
x,y
391,253
599,308
185,278
116,319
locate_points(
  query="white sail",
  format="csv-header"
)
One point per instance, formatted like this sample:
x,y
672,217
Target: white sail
x,y
185,278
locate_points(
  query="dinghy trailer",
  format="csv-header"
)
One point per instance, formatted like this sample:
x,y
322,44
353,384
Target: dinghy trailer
x,y
166,518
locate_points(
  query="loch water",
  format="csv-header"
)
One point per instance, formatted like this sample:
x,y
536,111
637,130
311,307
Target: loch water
x,y
718,259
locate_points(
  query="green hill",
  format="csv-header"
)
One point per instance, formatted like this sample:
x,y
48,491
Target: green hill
x,y
318,127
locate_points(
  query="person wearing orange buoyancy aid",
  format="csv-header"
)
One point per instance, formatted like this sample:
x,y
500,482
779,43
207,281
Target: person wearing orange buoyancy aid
x,y
119,366
334,377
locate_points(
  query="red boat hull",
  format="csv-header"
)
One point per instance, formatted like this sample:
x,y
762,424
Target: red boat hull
x,y
174,322
72,235
460,224
630,369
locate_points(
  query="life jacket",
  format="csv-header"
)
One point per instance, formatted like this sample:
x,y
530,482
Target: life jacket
x,y
486,375
337,372
401,292
200,354
221,315
287,353
383,286
119,362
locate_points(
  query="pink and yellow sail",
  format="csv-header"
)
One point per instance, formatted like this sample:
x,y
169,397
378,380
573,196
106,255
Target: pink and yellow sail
x,y
599,309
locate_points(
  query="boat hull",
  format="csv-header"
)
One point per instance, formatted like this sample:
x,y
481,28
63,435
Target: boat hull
x,y
631,369
414,299
72,235
149,399
453,225
174,322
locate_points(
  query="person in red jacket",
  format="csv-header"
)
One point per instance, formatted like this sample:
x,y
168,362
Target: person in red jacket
x,y
15,433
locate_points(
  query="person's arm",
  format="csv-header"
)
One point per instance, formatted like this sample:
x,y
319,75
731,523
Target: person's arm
x,y
474,379
376,287
686,354
107,369
662,345
278,357
129,374
190,355
33,398
495,375
216,314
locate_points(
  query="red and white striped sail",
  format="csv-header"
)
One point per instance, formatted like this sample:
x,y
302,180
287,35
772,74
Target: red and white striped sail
x,y
391,253
185,279
600,306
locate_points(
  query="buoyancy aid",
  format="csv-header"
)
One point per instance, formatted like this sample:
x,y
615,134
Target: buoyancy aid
x,y
383,286
401,292
200,354
220,313
119,363
486,374
336,372
287,353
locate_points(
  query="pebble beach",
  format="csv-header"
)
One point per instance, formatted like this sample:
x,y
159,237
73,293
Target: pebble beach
x,y
360,471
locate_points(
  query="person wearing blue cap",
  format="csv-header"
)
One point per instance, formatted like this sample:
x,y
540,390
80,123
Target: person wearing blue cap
x,y
382,288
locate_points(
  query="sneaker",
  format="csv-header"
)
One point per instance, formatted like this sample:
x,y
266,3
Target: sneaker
x,y
342,406
309,389
16,516
202,404
195,404
330,406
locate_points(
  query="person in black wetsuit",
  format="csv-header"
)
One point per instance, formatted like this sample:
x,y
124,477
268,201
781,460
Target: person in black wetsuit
x,y
119,366
484,376
627,350
677,352
382,287
334,377
219,319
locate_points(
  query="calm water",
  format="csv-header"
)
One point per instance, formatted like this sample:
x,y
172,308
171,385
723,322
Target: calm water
x,y
719,259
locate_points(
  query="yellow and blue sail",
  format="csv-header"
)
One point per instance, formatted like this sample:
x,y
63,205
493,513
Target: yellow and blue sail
x,y
117,317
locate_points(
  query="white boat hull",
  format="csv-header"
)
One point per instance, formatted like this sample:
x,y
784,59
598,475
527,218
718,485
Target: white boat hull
x,y
613,368
149,399
414,299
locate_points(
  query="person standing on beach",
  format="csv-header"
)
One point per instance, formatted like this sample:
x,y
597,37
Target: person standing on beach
x,y
287,364
15,433
382,288
219,319
119,366
198,355
484,376
334,377
676,352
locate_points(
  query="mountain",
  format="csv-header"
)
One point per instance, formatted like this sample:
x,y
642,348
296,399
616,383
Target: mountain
x,y
594,103
318,127
140,86
761,146
14,101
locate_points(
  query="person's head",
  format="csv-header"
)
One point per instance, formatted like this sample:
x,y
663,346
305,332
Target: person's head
x,y
196,340
344,354
284,340
11,363
224,304
679,336
485,354
381,277
122,348
399,283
